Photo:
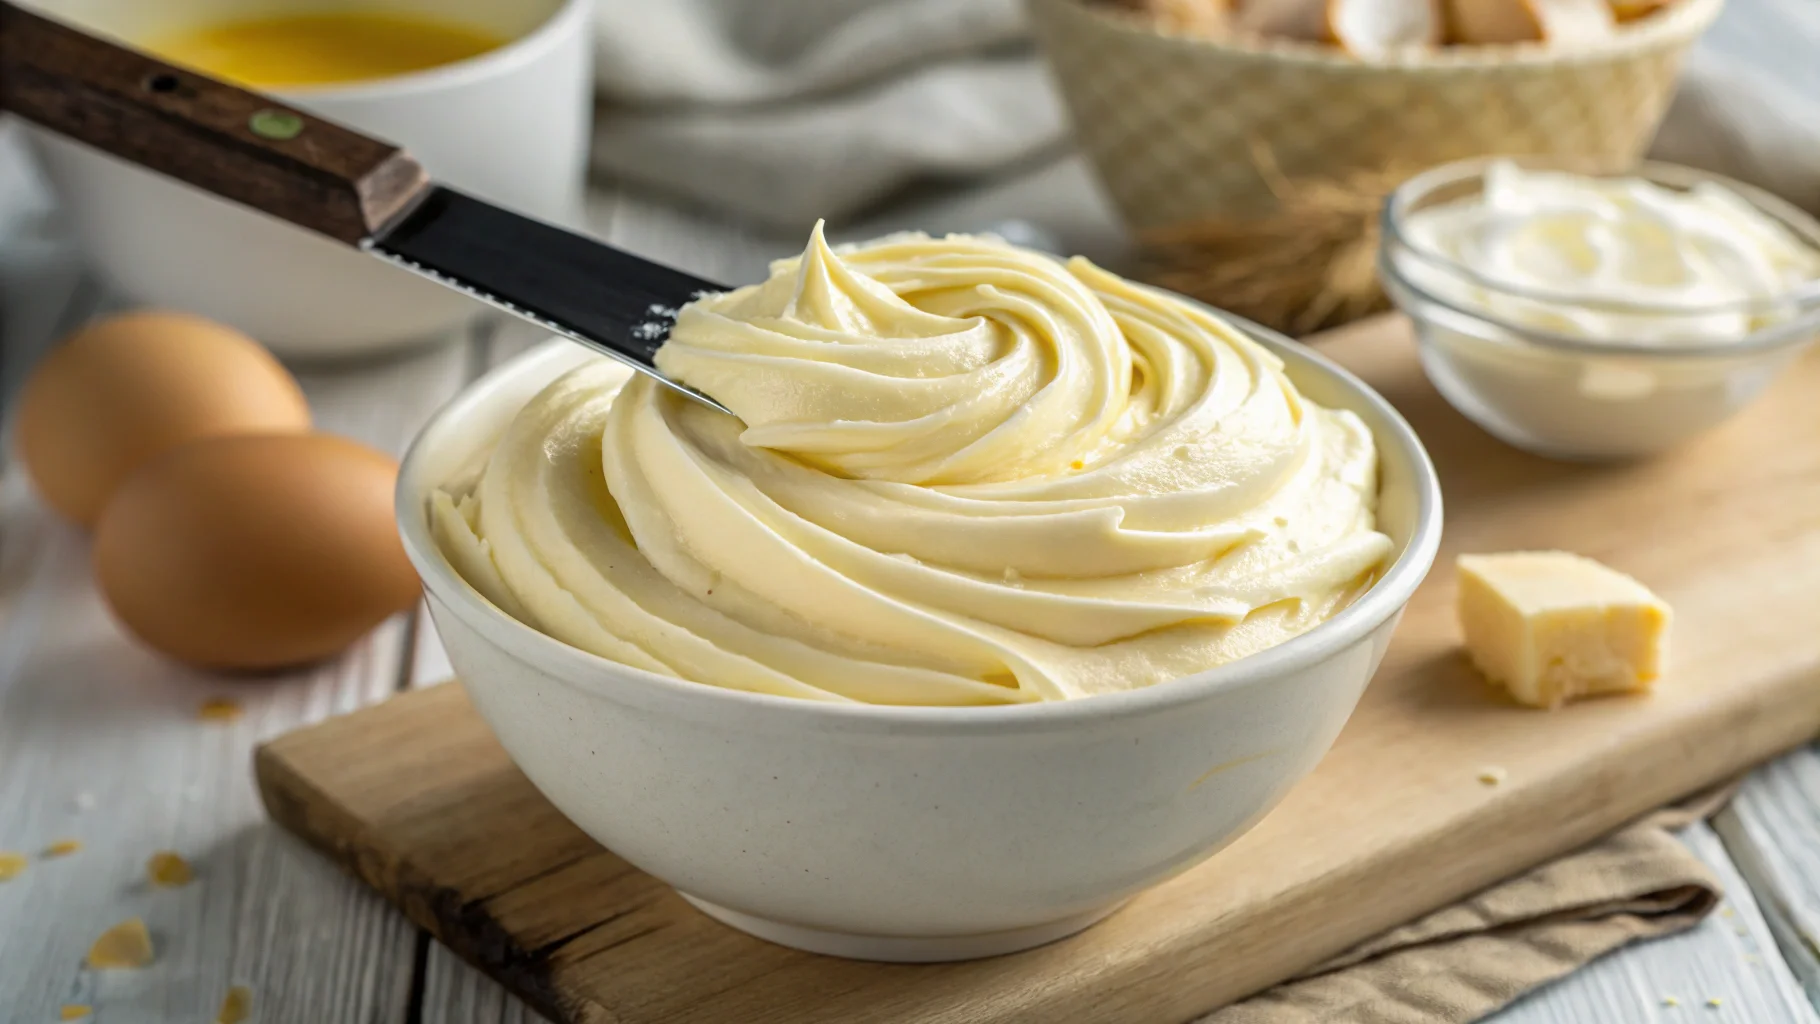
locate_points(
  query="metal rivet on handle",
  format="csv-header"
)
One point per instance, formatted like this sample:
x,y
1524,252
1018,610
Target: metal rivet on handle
x,y
277,125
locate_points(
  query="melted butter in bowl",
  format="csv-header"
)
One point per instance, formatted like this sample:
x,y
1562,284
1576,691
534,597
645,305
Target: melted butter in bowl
x,y
961,473
290,51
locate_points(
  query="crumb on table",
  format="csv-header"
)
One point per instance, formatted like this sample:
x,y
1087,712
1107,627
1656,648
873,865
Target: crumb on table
x,y
236,1006
126,945
218,709
168,870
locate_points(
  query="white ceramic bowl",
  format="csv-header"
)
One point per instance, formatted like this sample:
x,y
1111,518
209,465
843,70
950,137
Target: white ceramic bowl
x,y
910,833
510,125
1579,398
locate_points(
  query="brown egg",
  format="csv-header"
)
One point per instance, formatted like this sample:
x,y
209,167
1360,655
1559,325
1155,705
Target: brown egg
x,y
130,387
255,551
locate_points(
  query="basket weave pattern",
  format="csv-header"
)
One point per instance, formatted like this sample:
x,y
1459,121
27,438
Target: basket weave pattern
x,y
1170,122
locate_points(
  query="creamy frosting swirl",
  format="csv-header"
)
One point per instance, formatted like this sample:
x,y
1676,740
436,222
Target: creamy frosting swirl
x,y
960,473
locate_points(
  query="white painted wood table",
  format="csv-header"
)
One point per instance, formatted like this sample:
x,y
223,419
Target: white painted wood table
x,y
100,739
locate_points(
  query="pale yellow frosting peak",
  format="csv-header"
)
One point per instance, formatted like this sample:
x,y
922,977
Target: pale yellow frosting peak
x,y
961,473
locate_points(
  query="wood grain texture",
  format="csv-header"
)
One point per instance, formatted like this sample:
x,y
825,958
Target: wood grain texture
x,y
88,716
417,798
1773,832
456,992
324,177
1729,957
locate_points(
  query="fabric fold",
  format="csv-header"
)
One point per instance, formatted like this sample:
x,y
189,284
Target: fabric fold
x,y
784,111
1471,958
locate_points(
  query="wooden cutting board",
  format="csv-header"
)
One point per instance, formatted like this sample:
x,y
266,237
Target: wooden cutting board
x,y
417,798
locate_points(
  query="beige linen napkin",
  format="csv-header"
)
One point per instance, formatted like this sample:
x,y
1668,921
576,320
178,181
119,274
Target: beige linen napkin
x,y
1465,961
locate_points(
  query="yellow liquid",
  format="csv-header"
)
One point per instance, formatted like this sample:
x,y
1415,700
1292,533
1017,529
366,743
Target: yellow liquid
x,y
322,49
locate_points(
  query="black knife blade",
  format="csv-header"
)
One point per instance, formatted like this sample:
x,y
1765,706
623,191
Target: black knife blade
x,y
611,300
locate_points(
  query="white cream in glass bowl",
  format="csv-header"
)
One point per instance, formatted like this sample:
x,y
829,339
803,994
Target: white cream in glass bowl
x,y
766,661
1589,316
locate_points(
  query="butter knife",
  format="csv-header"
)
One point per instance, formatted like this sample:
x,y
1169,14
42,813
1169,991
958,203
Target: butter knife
x,y
326,178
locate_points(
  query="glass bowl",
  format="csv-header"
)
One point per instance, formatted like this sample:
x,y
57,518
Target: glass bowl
x,y
1559,392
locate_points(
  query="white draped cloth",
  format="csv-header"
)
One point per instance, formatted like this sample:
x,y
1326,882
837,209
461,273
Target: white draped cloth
x,y
783,111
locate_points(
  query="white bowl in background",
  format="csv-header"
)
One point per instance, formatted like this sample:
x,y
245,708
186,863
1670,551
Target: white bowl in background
x,y
910,834
510,125
1577,398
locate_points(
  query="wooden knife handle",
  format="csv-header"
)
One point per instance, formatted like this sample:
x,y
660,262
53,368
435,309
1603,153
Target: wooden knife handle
x,y
220,138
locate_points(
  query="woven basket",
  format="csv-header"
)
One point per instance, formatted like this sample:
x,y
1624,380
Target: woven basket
x,y
1171,122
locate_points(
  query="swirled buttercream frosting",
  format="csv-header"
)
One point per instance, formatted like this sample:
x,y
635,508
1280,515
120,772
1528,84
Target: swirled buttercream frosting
x,y
957,472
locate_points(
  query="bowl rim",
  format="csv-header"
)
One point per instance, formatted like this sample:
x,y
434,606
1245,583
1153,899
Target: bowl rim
x,y
594,674
1796,329
1678,25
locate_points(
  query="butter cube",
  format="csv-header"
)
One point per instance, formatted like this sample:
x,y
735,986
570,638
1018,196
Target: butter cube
x,y
1550,626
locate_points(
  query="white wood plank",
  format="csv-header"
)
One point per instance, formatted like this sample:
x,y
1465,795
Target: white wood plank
x,y
89,717
1773,833
1730,957
455,993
